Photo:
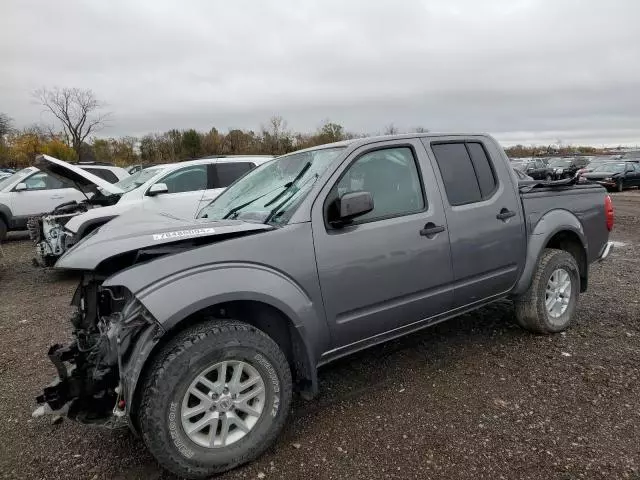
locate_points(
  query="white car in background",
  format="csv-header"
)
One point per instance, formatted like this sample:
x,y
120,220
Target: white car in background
x,y
179,189
31,191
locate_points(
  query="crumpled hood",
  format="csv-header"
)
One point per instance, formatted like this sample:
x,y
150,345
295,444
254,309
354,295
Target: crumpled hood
x,y
138,229
85,181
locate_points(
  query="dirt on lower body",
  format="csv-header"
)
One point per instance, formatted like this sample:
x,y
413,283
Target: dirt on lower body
x,y
475,397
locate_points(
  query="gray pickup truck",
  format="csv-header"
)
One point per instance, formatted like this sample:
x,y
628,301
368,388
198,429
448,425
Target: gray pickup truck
x,y
196,333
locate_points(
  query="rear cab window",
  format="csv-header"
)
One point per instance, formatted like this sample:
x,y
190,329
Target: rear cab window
x,y
466,171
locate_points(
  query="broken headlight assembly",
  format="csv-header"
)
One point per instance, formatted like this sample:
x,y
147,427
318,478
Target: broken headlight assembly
x,y
90,386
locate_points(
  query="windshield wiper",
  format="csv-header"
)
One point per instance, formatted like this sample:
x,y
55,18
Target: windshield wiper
x,y
286,187
275,211
289,185
240,207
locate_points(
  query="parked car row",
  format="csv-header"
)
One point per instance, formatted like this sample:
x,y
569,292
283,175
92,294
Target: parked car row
x,y
616,175
195,332
32,191
179,189
615,172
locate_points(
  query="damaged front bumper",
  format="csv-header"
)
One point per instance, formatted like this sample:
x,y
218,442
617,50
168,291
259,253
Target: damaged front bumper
x,y
97,372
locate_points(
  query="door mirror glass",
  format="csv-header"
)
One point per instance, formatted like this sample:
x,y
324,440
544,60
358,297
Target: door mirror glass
x,y
351,205
157,189
21,187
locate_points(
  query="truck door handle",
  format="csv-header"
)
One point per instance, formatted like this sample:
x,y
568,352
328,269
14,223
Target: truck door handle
x,y
57,197
431,229
505,214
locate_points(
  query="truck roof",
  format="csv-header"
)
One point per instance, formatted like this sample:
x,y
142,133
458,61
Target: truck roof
x,y
379,138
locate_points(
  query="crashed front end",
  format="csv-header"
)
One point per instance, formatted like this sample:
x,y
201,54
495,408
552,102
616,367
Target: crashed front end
x,y
49,232
50,236
98,369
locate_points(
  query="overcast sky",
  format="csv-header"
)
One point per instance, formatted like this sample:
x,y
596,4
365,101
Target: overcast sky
x,y
525,70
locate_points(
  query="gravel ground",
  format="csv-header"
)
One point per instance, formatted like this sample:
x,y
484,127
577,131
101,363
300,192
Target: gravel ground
x,y
475,397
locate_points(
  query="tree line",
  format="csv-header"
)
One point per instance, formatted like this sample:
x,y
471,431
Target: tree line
x,y
78,115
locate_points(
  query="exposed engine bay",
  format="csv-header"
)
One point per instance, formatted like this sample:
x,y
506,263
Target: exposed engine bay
x,y
91,386
48,232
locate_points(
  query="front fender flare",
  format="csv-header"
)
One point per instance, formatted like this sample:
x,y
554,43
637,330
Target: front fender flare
x,y
181,294
549,225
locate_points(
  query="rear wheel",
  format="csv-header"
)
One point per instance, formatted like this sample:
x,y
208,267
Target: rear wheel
x,y
549,304
215,397
549,177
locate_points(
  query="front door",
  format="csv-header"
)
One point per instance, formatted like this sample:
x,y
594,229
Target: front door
x,y
484,217
390,267
42,195
186,187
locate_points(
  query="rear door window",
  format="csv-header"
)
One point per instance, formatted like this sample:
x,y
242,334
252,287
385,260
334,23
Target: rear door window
x,y
225,173
460,182
466,171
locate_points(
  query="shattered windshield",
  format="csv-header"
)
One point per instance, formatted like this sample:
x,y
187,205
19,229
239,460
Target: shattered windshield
x,y
272,190
10,179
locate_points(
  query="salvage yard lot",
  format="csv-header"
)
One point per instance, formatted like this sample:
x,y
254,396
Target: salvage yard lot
x,y
476,397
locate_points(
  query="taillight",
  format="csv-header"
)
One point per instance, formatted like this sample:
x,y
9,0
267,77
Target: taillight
x,y
608,212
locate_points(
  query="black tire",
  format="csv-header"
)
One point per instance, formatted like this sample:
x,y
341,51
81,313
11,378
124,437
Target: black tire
x,y
619,186
173,370
548,178
3,230
531,309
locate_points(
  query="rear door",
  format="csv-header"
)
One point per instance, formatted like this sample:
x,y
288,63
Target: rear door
x,y
221,175
390,267
186,187
482,207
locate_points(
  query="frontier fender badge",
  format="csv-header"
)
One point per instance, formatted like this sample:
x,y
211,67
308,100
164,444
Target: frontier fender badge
x,y
195,232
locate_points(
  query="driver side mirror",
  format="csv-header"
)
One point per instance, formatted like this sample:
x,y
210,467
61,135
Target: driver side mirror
x,y
157,189
349,206
21,187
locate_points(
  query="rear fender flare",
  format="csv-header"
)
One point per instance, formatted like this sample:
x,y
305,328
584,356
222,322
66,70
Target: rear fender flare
x,y
549,225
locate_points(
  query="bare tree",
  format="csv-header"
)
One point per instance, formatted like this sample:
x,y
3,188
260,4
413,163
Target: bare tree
x,y
421,130
391,129
6,125
76,109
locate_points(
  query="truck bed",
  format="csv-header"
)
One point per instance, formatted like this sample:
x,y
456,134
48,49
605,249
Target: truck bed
x,y
585,201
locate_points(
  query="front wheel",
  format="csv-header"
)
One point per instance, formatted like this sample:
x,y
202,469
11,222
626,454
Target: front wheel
x,y
619,186
549,177
550,302
216,397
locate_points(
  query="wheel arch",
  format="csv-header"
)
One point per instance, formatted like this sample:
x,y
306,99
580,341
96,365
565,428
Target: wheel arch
x,y
260,315
558,229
